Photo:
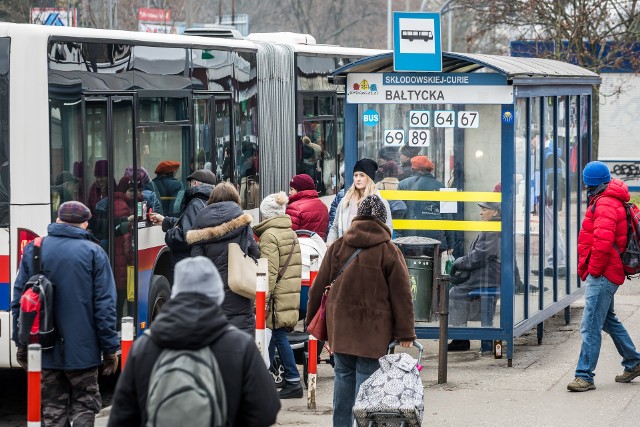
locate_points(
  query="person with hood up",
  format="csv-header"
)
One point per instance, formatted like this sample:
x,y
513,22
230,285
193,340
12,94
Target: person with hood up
x,y
369,303
279,245
306,210
423,179
220,223
195,199
364,172
484,267
190,320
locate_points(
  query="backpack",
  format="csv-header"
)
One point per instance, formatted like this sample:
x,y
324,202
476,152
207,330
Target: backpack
x,y
186,385
36,324
631,255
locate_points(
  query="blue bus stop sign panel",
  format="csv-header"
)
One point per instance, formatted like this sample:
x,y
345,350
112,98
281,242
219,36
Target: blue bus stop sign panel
x,y
416,42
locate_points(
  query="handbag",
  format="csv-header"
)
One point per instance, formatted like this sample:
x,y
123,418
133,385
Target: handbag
x,y
130,283
318,325
242,272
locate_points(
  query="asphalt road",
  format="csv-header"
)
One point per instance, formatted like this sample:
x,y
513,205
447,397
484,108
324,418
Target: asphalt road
x,y
13,396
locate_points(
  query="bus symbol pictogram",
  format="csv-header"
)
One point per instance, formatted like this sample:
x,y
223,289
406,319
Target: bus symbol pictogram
x,y
412,35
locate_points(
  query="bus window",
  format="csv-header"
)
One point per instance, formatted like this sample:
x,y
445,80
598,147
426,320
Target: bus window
x,y
67,173
4,132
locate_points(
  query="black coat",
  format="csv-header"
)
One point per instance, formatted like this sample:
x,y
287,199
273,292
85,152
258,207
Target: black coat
x,y
195,199
215,227
191,321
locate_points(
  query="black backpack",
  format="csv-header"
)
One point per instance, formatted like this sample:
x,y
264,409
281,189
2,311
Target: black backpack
x,y
36,323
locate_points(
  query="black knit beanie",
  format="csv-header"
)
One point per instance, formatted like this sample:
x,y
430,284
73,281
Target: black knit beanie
x,y
367,166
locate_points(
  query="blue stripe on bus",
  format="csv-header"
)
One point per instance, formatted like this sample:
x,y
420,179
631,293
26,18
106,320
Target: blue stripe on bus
x,y
5,296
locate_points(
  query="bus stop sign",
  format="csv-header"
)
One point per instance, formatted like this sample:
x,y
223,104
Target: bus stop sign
x,y
416,42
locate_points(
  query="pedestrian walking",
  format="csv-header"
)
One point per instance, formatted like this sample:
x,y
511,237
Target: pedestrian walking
x,y
220,223
604,230
279,245
364,172
306,210
85,315
369,303
193,320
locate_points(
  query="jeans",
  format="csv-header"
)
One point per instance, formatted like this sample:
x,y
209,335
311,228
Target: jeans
x,y
350,373
279,340
599,316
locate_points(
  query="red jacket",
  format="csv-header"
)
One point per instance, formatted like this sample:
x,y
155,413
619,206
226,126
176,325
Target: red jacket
x,y
307,212
603,226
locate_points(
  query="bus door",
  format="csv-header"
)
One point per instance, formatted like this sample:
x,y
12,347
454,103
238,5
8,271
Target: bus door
x,y
213,137
113,190
318,154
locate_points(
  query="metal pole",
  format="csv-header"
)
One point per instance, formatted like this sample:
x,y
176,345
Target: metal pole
x,y
389,25
443,309
261,291
34,387
110,14
449,33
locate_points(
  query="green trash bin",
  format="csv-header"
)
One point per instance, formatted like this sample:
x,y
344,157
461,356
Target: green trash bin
x,y
421,280
419,255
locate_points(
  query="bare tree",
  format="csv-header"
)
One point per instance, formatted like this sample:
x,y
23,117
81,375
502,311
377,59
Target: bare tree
x,y
595,34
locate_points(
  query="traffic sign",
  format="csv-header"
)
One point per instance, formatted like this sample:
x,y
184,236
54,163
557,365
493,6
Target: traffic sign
x,y
417,42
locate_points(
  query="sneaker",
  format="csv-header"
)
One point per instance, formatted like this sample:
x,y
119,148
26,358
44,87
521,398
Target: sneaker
x,y
579,384
459,345
628,375
291,391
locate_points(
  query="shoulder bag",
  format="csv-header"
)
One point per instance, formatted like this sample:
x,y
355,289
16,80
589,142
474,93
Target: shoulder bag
x,y
242,271
318,325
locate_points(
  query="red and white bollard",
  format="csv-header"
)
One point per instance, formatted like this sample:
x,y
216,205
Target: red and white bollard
x,y
313,344
313,370
261,315
34,372
126,340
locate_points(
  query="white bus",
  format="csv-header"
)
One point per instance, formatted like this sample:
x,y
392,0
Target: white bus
x,y
83,109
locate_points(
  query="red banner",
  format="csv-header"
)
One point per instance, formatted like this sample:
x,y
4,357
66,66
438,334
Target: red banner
x,y
154,15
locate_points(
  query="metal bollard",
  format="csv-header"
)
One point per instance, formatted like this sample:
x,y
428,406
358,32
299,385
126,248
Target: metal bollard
x,y
443,309
34,386
313,371
126,340
261,314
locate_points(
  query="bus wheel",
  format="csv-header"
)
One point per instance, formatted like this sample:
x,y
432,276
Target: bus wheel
x,y
158,295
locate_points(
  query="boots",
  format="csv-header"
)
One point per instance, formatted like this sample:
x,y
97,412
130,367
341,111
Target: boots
x,y
291,390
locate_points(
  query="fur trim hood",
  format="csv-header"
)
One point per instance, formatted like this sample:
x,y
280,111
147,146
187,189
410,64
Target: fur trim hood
x,y
210,234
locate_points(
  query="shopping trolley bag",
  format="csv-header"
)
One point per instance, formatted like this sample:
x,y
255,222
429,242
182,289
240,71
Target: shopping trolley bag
x,y
393,395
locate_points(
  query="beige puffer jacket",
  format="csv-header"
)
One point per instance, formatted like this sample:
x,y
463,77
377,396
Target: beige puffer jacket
x,y
276,241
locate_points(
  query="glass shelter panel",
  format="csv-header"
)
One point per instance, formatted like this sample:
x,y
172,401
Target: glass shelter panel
x,y
425,150
533,206
521,214
574,183
559,195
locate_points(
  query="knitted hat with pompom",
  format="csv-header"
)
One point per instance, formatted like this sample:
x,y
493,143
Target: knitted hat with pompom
x,y
274,205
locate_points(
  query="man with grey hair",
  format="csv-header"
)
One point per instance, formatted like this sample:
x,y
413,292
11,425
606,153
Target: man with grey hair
x,y
191,320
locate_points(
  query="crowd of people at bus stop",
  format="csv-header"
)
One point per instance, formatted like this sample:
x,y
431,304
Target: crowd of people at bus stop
x,y
368,306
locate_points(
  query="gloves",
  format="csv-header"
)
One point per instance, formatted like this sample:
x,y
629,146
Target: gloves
x,y
22,357
109,364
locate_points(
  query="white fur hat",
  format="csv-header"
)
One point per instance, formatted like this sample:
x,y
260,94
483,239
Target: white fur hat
x,y
273,205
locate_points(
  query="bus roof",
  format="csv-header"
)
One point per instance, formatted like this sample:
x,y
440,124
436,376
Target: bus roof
x,y
120,36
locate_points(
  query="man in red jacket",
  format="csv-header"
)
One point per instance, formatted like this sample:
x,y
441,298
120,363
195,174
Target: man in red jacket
x,y
603,234
305,208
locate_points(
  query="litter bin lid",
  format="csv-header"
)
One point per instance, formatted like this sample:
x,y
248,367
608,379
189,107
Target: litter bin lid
x,y
415,241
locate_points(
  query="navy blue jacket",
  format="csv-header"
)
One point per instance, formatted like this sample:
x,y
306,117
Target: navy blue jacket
x,y
84,299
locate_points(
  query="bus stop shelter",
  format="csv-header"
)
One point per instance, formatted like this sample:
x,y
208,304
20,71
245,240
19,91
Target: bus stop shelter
x,y
511,133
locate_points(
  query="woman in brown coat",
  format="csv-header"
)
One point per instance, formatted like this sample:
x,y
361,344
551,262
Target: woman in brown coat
x,y
369,304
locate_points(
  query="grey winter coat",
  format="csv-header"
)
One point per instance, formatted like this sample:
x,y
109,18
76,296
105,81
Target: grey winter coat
x,y
483,260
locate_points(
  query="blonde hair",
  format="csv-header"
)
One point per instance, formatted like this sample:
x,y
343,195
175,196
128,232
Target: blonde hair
x,y
224,192
358,195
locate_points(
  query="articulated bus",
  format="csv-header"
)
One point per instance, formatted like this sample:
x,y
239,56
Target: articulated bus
x,y
82,110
